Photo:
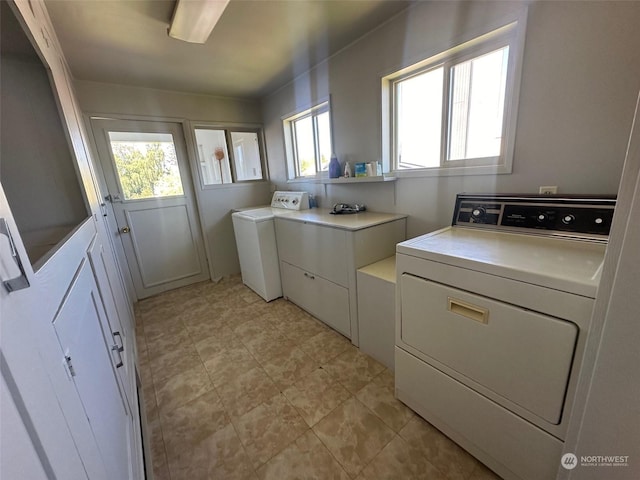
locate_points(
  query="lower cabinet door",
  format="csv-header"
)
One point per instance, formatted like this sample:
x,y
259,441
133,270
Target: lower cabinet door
x,y
87,359
323,299
116,330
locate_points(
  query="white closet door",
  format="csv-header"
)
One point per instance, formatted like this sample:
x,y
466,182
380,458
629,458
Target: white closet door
x,y
89,365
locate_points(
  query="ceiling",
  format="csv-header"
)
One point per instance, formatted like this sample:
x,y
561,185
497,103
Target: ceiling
x,y
256,47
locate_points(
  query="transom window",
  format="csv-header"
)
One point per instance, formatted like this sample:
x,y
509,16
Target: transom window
x,y
455,112
308,141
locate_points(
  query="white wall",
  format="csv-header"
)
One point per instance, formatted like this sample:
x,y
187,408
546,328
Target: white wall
x,y
606,411
581,73
214,202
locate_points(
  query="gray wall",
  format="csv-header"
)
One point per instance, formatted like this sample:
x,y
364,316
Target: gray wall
x,y
34,151
580,78
215,202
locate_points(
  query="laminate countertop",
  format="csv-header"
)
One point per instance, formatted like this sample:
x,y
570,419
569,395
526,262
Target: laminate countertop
x,y
351,221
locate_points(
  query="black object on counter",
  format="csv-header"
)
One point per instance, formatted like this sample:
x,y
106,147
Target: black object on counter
x,y
340,208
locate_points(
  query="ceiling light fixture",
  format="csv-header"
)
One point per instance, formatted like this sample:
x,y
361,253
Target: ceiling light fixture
x,y
193,20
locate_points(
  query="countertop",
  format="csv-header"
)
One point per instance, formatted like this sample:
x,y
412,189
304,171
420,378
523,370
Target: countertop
x,y
384,269
352,221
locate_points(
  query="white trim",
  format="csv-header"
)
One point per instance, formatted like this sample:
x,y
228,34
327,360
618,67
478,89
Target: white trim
x,y
511,34
288,120
228,127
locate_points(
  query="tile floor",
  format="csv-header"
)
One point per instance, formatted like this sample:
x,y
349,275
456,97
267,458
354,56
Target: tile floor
x,y
236,388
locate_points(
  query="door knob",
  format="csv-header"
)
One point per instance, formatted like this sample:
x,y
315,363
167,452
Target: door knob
x,y
125,230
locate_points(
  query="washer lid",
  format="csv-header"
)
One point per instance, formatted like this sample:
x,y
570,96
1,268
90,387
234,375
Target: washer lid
x,y
568,265
255,215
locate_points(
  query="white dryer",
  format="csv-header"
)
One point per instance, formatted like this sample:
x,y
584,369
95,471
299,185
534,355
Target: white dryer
x,y
492,317
256,242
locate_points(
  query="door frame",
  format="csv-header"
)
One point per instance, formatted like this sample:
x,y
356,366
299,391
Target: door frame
x,y
108,211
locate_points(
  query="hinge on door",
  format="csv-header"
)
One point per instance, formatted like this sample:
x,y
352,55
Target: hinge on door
x,y
69,367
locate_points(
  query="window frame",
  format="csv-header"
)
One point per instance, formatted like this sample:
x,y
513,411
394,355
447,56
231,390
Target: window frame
x,y
511,35
228,129
289,130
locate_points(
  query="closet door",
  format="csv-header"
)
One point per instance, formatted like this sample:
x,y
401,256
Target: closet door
x,y
116,330
34,382
89,364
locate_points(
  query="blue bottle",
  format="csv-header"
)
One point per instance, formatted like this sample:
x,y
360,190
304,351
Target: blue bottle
x,y
334,167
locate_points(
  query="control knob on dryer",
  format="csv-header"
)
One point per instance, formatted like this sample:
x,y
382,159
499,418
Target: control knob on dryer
x,y
478,213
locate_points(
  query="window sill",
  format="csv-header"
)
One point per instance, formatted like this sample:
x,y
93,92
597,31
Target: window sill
x,y
453,171
247,183
379,178
344,180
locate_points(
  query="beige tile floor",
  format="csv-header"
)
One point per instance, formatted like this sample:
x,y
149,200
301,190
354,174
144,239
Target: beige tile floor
x,y
236,388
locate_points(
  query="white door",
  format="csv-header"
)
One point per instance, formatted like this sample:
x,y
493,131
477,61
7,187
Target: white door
x,y
47,403
149,181
89,360
115,330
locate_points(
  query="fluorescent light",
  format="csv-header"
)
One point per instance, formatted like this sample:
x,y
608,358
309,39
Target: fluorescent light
x,y
193,20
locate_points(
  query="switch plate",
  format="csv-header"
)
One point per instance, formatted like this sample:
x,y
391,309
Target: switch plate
x,y
548,190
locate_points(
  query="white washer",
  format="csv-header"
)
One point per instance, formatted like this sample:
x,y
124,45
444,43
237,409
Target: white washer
x,y
256,242
492,318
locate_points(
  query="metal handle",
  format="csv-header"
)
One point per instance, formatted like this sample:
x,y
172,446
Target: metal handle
x,y
116,348
309,276
121,346
113,198
10,267
125,230
468,310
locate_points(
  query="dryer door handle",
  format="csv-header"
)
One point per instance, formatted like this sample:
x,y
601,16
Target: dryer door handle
x,y
468,310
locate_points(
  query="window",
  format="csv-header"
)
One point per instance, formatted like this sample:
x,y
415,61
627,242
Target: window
x,y
229,155
308,141
455,112
146,164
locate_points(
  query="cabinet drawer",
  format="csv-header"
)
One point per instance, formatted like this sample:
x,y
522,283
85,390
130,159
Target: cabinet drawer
x,y
323,299
314,248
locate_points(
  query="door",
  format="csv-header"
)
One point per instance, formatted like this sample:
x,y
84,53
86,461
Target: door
x,y
89,361
116,331
60,439
520,355
147,174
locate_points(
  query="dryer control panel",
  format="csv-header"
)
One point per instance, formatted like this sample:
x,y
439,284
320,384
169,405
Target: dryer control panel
x,y
576,216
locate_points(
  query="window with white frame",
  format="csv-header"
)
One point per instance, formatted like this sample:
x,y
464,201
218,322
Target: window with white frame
x,y
308,141
455,112
229,155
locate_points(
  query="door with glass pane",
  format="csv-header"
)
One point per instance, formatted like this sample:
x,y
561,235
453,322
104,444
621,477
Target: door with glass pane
x,y
150,189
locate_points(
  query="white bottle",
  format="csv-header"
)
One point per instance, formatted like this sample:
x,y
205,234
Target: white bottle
x,y
347,170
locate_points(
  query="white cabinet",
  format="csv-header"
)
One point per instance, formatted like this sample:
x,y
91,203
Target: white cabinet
x,y
314,248
320,297
117,331
89,365
78,408
319,259
376,310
